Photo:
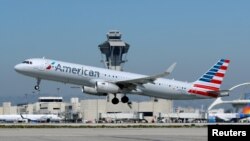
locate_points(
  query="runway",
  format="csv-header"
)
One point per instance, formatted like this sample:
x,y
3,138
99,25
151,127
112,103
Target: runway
x,y
103,134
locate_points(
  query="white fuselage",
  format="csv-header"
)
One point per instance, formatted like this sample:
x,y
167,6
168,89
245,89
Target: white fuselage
x,y
30,117
87,76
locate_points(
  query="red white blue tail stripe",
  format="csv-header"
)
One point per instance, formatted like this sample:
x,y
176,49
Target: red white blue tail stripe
x,y
211,80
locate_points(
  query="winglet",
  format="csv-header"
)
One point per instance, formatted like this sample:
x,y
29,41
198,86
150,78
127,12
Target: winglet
x,y
171,68
167,72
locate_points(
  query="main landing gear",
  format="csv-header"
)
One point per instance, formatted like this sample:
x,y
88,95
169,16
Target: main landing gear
x,y
37,86
115,100
124,99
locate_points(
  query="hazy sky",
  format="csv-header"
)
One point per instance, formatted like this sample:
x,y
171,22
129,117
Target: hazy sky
x,y
195,34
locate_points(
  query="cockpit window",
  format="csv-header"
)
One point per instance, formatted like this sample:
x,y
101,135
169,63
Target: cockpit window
x,y
27,62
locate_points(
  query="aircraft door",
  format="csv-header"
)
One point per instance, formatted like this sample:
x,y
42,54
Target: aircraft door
x,y
42,65
46,65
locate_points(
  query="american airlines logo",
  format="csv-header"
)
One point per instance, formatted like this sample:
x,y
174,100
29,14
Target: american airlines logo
x,y
51,66
73,70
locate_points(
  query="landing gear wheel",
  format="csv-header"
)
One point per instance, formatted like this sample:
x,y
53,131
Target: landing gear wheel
x,y
115,101
36,87
125,99
37,84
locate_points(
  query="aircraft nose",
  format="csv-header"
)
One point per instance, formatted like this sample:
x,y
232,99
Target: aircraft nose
x,y
18,68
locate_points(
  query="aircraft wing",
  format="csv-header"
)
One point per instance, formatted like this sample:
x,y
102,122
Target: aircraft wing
x,y
147,79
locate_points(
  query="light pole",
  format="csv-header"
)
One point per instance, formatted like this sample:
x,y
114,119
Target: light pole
x,y
26,97
97,113
138,108
26,105
153,109
58,89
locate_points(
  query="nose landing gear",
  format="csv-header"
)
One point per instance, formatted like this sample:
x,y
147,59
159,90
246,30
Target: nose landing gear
x,y
37,86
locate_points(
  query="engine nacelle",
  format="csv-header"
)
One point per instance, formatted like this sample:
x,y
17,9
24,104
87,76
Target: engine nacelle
x,y
106,87
92,91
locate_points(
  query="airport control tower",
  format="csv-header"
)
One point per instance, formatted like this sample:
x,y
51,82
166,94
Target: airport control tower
x,y
114,51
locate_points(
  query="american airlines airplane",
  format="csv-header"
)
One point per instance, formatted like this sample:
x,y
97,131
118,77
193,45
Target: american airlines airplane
x,y
99,81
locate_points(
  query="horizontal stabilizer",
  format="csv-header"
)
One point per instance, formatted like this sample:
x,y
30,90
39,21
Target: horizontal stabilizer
x,y
220,93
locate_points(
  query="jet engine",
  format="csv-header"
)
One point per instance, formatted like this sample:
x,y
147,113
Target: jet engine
x,y
92,91
107,87
101,89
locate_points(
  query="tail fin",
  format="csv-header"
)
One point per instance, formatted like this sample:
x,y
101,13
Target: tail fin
x,y
211,80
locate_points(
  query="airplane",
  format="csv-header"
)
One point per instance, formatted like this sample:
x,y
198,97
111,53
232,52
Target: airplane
x,y
30,118
222,117
11,118
101,82
229,117
41,118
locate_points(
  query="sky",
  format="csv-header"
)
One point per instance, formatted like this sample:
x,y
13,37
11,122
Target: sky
x,y
193,33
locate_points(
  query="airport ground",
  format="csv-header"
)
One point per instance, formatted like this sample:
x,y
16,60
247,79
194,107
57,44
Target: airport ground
x,y
103,134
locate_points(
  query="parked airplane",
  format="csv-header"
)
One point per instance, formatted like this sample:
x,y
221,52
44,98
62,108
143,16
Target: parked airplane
x,y
30,118
229,117
11,118
223,117
99,81
41,118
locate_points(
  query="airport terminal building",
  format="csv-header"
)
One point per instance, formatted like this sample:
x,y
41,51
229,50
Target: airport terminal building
x,y
91,110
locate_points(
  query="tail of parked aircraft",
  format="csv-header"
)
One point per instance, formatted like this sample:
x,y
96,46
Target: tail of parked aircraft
x,y
209,83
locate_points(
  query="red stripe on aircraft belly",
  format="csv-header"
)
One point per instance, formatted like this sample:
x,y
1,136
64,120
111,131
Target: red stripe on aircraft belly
x,y
203,93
